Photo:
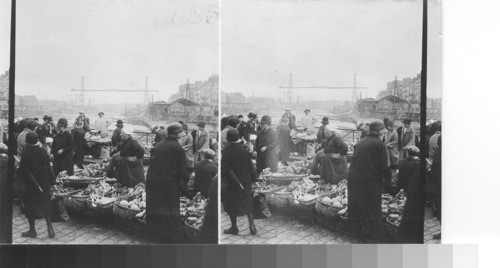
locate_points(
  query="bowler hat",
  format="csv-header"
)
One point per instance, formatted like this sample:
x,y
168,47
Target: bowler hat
x,y
201,124
407,121
62,122
377,126
119,122
31,138
266,119
325,120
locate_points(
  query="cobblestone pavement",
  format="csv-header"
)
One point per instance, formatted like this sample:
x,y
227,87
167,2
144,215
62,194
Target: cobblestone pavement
x,y
283,229
75,231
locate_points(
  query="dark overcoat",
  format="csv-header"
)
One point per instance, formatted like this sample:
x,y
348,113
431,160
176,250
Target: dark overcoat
x,y
204,172
268,158
236,158
36,161
409,180
364,184
63,161
163,182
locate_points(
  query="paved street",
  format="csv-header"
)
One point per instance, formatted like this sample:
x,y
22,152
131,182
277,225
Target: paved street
x,y
282,229
76,231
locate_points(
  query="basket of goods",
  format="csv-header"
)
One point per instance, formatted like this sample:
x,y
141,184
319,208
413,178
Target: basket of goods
x,y
284,176
328,205
90,174
77,201
132,203
100,198
263,187
392,211
60,191
193,213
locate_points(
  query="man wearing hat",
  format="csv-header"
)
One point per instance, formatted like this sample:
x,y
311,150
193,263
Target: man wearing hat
x,y
232,124
407,137
205,171
86,121
321,132
115,138
308,121
253,126
364,184
81,145
291,118
63,148
48,129
101,125
201,140
265,146
242,128
187,144
391,144
165,177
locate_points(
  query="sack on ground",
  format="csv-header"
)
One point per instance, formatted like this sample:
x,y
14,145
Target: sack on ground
x,y
58,210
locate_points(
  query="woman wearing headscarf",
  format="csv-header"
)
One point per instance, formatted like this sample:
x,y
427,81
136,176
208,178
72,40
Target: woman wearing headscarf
x,y
284,140
265,146
238,173
166,174
35,170
131,167
365,181
330,162
409,181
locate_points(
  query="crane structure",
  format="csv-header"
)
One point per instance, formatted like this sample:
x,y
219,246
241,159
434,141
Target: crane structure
x,y
354,89
82,90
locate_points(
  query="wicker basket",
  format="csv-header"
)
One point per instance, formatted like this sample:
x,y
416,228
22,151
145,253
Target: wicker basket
x,y
193,234
82,182
302,206
326,210
76,202
284,180
277,200
124,212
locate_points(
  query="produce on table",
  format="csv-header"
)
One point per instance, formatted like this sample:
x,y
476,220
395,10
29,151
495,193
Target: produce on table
x,y
99,191
302,186
193,211
322,187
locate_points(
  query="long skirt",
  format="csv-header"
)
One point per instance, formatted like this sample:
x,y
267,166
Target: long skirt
x,y
36,205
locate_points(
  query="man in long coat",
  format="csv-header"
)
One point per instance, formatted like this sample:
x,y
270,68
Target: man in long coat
x,y
63,148
265,145
364,184
201,140
168,170
80,144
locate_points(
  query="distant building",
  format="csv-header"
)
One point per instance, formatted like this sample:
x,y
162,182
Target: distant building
x,y
4,94
234,103
206,93
407,89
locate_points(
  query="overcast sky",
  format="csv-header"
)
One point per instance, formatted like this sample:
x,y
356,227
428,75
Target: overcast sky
x,y
114,44
323,43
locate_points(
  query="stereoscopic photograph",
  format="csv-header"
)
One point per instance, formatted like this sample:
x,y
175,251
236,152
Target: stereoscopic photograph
x,y
321,116
116,120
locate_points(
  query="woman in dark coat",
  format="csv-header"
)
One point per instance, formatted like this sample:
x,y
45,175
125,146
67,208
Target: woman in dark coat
x,y
63,147
330,162
80,144
265,145
168,170
364,184
238,173
284,140
409,181
434,185
132,167
35,170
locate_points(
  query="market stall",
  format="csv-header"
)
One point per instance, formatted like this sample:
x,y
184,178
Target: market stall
x,y
91,194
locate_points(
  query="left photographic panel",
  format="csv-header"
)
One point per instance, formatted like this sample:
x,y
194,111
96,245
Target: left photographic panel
x,y
116,113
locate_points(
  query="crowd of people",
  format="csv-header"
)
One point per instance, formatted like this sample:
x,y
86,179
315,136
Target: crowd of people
x,y
385,160
182,164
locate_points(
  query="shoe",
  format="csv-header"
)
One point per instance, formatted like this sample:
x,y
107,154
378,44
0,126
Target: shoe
x,y
253,230
233,231
29,233
437,236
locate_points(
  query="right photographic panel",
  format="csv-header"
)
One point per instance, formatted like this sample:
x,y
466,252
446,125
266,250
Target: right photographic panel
x,y
321,130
